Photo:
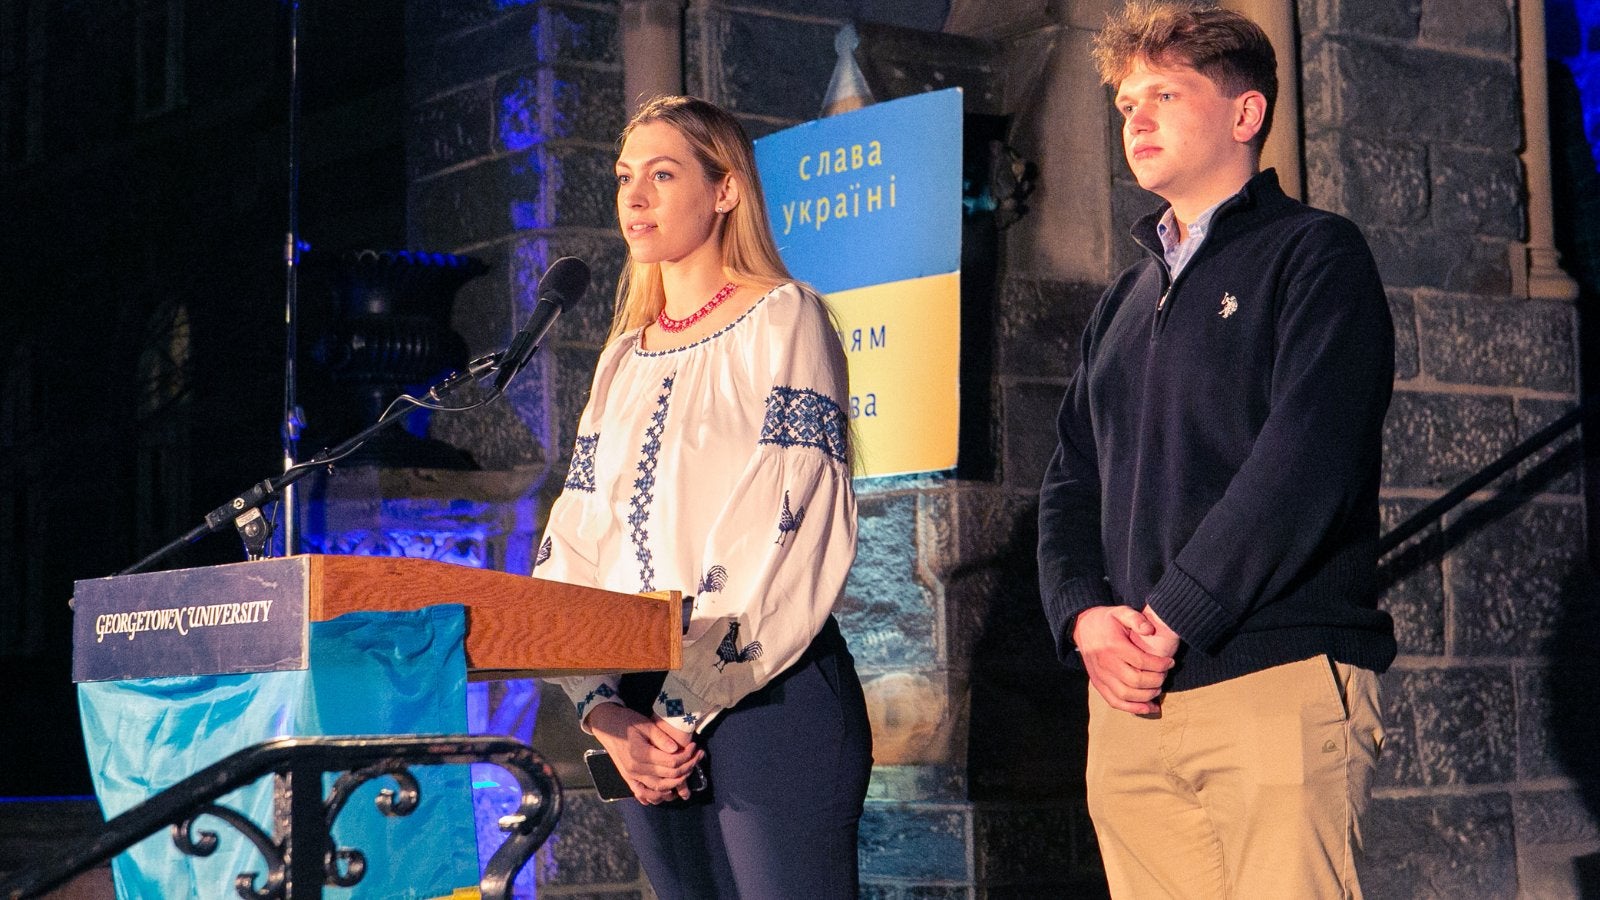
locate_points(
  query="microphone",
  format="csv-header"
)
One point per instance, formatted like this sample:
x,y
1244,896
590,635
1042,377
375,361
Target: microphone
x,y
564,283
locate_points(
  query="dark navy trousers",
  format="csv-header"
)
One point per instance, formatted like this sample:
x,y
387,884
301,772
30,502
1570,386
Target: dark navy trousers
x,y
787,772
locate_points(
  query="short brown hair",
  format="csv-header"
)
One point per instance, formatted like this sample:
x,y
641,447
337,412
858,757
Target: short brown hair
x,y
1220,44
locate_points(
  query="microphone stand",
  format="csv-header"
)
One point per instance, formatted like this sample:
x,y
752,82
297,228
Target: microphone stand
x,y
244,511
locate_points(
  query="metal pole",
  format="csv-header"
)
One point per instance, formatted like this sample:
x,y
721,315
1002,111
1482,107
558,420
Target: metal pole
x,y
291,256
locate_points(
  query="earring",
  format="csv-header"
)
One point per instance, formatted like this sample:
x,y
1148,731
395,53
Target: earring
x,y
721,210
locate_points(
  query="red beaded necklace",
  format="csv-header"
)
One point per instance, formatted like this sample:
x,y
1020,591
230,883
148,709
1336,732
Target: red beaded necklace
x,y
668,323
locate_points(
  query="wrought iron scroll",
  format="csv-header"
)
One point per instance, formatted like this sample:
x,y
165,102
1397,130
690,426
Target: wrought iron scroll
x,y
301,858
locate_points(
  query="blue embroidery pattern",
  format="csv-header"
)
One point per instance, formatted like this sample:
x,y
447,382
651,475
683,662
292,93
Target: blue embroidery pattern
x,y
644,488
581,476
674,708
544,554
788,522
603,690
801,417
715,579
729,650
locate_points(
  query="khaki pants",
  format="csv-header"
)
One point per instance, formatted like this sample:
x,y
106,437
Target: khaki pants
x,y
1252,788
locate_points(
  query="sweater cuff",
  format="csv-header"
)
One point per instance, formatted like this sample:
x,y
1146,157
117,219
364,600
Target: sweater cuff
x,y
1062,606
1189,609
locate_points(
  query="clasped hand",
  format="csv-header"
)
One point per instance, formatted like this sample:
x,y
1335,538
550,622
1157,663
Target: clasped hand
x,y
1127,654
653,757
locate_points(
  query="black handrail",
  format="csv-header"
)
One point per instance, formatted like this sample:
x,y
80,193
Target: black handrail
x,y
302,858
1435,511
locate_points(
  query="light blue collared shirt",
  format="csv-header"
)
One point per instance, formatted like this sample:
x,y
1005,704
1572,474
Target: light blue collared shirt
x,y
1178,253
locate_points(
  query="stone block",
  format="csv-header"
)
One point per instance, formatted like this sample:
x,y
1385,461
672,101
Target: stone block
x,y
589,846
581,33
461,208
537,104
446,16
1401,19
1483,26
1497,344
1554,817
1380,89
872,891
1556,468
1448,726
1438,440
775,67
1041,325
446,60
1404,312
1512,580
588,321
1477,192
916,841
888,611
1413,585
1372,181
918,718
1557,732
1450,846
1029,416
448,130
510,40
1038,845
918,783
545,187
968,528
1428,259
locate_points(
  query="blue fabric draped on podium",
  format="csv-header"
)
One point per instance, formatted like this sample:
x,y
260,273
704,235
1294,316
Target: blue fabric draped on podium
x,y
370,673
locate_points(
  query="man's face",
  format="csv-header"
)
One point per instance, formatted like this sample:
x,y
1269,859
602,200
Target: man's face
x,y
1181,135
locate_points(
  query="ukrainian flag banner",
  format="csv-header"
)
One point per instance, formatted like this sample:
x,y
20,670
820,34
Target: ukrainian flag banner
x,y
866,207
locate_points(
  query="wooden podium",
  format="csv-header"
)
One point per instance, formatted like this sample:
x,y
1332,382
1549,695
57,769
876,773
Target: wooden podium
x,y
254,617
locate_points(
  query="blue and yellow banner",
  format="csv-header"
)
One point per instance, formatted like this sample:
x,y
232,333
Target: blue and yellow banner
x,y
866,207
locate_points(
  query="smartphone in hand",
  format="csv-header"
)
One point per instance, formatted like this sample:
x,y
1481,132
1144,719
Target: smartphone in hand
x,y
609,783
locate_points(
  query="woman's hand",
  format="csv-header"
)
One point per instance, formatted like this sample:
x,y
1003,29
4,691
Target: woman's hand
x,y
653,757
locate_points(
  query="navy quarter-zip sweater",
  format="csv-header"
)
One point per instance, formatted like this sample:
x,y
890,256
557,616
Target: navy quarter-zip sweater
x,y
1219,446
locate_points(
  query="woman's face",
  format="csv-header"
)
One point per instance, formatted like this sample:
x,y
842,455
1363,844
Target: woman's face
x,y
665,203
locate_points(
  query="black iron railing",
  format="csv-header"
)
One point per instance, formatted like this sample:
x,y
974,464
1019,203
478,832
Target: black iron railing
x,y
1436,510
300,855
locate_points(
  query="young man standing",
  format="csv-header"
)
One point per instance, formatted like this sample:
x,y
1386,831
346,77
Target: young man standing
x,y
1209,522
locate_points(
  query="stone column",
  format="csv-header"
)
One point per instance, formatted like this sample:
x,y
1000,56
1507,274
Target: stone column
x,y
652,49
1282,150
1537,261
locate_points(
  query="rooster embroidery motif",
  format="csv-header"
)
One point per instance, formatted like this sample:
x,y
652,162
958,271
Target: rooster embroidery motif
x,y
729,650
788,522
716,578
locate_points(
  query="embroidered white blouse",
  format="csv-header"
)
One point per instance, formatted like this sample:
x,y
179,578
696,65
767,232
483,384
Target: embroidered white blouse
x,y
719,469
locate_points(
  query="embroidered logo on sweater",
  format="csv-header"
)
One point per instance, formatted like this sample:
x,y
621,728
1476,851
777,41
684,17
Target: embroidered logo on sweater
x,y
729,650
788,522
1230,305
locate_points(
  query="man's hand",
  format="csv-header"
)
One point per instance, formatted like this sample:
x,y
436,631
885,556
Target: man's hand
x,y
653,757
1164,641
1120,649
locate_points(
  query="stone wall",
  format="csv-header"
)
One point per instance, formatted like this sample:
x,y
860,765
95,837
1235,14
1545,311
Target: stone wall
x,y
1412,126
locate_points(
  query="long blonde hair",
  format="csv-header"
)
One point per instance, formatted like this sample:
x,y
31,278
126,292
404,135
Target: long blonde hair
x,y
749,254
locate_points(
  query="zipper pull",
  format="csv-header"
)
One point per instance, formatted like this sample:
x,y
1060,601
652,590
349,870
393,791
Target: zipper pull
x,y
1163,301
